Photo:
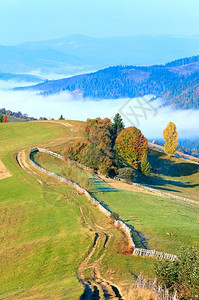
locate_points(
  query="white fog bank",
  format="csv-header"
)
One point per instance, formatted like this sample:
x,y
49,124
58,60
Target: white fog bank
x,y
151,120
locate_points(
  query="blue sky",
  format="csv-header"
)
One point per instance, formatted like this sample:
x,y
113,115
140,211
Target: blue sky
x,y
32,20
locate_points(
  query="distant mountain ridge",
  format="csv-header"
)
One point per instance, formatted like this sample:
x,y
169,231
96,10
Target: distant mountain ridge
x,y
20,77
177,82
75,54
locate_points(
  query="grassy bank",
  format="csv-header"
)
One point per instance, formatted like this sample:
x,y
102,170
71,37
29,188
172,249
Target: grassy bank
x,y
42,237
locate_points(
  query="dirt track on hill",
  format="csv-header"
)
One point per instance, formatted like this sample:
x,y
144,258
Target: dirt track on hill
x,y
96,287
4,173
103,239
21,160
124,186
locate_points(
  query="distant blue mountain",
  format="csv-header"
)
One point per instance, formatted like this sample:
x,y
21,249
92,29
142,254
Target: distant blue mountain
x,y
15,59
177,82
76,54
20,77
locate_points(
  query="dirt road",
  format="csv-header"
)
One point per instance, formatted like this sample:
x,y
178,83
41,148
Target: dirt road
x,y
4,173
88,273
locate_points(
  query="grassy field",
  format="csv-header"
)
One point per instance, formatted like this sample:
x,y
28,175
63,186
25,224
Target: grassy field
x,y
122,269
153,217
42,237
174,175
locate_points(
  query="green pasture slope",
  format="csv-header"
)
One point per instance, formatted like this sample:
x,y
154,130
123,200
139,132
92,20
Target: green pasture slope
x,y
174,175
151,216
158,222
42,238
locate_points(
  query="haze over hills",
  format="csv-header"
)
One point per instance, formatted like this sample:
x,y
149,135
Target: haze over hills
x,y
75,54
177,82
19,77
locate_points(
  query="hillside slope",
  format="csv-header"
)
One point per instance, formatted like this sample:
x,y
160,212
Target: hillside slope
x,y
176,82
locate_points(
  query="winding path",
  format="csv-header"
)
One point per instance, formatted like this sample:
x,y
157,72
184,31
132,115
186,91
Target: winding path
x,y
96,287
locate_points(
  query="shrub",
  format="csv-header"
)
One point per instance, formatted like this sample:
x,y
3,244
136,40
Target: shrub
x,y
114,216
126,173
182,274
105,166
91,157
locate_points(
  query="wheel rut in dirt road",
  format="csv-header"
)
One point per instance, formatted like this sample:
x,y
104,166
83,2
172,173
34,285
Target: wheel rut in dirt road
x,y
101,288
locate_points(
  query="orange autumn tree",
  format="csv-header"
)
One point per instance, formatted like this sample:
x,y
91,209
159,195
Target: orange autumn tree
x,y
98,132
74,152
5,119
132,145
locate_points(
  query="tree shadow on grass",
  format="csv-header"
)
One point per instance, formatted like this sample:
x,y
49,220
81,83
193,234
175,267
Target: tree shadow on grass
x,y
167,167
165,184
101,187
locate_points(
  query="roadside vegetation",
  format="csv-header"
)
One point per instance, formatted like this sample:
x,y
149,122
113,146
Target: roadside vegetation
x,y
181,275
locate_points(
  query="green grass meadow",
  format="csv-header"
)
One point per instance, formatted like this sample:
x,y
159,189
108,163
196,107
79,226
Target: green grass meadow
x,y
43,237
153,217
174,175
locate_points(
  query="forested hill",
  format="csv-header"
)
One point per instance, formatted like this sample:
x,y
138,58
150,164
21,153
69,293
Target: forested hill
x,y
19,77
177,82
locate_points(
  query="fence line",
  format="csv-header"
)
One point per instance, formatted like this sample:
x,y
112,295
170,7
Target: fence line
x,y
158,192
120,179
162,293
107,212
120,223
153,253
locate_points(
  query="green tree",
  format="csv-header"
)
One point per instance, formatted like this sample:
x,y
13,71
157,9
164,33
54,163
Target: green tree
x,y
182,274
117,126
61,117
117,158
131,145
145,165
1,118
170,136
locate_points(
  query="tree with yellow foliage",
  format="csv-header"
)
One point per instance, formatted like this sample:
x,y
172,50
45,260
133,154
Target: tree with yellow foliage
x,y
170,135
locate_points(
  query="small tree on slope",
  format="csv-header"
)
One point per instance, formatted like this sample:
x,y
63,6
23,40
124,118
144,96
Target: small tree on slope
x,y
145,165
170,136
5,119
117,125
